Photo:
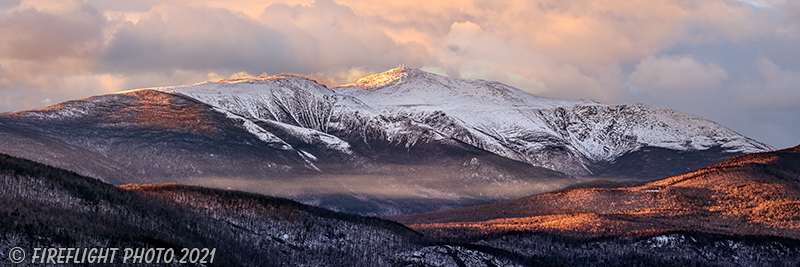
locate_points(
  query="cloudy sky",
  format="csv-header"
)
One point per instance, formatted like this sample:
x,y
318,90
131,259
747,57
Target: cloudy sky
x,y
734,62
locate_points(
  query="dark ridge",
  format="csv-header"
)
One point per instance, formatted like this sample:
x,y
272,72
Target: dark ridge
x,y
73,183
275,202
150,216
627,251
651,163
63,209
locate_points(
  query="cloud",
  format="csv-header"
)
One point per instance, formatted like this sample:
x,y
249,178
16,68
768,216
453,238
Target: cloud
x,y
294,39
54,89
47,52
469,51
676,73
30,34
213,76
8,4
790,20
339,76
196,38
329,35
616,51
777,88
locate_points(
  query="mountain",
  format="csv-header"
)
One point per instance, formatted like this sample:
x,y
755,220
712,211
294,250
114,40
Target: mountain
x,y
578,137
754,194
743,211
399,142
43,206
147,135
143,136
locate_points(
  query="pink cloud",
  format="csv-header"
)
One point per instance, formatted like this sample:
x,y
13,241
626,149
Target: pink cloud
x,y
676,73
777,88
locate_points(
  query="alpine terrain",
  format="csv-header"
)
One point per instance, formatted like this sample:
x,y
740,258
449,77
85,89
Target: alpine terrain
x,y
43,206
741,212
398,142
753,199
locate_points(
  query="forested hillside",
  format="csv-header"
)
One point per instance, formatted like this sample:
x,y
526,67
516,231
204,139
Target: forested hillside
x,y
42,206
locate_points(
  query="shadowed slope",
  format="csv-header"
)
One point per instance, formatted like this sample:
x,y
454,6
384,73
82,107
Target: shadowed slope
x,y
144,136
274,136
42,206
400,142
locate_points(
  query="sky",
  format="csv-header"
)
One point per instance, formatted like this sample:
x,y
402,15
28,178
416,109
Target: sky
x,y
736,62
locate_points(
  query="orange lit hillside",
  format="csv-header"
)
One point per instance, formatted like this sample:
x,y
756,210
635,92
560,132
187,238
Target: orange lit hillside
x,y
751,194
143,109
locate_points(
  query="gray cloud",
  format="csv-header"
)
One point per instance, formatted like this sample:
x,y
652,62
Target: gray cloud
x,y
7,4
676,73
776,88
30,34
329,35
296,39
196,38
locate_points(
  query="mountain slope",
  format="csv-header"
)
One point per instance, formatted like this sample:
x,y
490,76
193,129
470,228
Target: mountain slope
x,y
44,206
146,135
577,137
740,212
400,142
757,193
405,106
47,207
385,168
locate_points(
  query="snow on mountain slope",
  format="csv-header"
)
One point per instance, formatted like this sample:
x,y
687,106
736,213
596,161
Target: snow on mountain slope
x,y
297,101
365,163
386,144
287,98
541,131
410,87
406,106
147,135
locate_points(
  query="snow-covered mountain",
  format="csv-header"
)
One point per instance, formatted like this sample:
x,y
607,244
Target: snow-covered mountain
x,y
402,141
312,148
577,137
146,136
564,135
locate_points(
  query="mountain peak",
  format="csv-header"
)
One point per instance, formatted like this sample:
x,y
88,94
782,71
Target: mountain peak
x,y
406,87
251,87
274,79
394,76
265,78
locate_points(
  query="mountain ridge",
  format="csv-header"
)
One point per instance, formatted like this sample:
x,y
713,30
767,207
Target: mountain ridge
x,y
441,143
43,206
517,128
514,124
757,193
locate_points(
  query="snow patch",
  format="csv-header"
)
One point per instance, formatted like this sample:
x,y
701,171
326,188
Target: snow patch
x,y
259,132
311,136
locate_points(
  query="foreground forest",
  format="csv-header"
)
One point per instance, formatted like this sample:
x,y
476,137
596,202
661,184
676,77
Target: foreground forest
x,y
43,206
